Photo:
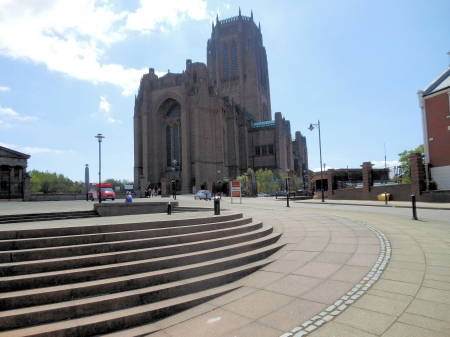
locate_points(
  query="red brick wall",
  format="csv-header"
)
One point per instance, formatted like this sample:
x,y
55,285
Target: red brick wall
x,y
437,110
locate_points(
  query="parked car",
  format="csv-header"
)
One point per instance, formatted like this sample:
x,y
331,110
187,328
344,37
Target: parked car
x,y
262,195
203,194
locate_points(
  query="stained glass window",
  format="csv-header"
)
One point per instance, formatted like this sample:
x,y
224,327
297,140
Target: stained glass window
x,y
226,62
168,146
176,145
234,57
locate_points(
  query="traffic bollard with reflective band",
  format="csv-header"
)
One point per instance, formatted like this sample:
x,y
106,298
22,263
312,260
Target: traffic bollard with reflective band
x,y
169,208
216,206
413,199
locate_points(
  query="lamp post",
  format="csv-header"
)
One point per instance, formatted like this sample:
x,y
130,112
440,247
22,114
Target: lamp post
x,y
99,138
287,187
311,127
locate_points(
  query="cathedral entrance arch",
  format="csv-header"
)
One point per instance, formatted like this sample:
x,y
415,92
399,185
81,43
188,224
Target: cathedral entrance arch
x,y
171,110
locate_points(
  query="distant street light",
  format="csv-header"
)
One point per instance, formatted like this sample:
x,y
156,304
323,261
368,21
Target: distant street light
x,y
100,137
311,127
287,187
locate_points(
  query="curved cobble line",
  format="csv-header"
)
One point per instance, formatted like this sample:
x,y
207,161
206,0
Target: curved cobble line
x,y
354,294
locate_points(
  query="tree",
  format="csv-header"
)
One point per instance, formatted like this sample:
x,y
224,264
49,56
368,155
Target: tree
x,y
405,164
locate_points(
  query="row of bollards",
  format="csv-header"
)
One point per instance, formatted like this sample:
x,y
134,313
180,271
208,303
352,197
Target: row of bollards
x,y
216,207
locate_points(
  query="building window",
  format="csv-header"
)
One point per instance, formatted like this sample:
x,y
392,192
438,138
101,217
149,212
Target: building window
x,y
175,110
168,146
194,77
226,62
257,151
176,144
270,149
234,59
264,150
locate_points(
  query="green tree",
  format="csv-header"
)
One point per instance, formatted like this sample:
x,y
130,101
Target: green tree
x,y
405,164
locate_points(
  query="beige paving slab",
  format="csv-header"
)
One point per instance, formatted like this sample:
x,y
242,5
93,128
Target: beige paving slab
x,y
425,322
253,329
435,295
284,266
366,320
385,305
400,329
292,314
364,260
328,291
258,304
328,257
391,286
408,265
436,284
333,329
294,285
260,280
213,323
404,275
350,274
430,309
437,277
318,269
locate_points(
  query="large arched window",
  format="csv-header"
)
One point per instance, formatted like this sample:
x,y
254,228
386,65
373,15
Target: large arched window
x,y
234,58
173,131
169,146
226,61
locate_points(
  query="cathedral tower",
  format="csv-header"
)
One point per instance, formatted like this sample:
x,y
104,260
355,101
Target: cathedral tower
x,y
237,64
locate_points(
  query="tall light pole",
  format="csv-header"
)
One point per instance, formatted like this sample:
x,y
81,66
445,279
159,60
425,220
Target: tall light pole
x,y
99,138
311,127
287,187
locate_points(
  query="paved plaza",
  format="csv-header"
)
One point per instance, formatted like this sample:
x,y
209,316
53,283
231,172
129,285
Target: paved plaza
x,y
347,269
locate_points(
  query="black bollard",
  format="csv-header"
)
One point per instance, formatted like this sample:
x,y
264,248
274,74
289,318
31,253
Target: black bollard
x,y
216,206
413,199
169,208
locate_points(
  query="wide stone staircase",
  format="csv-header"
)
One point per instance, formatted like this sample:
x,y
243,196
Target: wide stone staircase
x,y
119,278
16,218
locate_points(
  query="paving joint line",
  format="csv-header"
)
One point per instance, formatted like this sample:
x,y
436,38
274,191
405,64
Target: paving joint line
x,y
354,294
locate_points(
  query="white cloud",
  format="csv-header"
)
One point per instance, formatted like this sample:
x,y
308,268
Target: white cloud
x,y
104,104
4,89
389,163
9,114
72,37
33,150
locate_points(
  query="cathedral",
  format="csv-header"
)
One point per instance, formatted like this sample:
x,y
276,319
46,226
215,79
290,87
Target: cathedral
x,y
214,120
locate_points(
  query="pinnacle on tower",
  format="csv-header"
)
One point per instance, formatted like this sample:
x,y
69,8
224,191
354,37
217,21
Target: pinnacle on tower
x,y
239,11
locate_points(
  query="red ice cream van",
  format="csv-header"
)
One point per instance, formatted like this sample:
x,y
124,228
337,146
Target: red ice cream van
x,y
106,190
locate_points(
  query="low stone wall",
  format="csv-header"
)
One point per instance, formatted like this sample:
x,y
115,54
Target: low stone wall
x,y
435,196
343,194
400,192
56,197
131,208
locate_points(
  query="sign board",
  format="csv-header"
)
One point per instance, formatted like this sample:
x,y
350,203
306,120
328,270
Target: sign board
x,y
129,187
117,188
236,191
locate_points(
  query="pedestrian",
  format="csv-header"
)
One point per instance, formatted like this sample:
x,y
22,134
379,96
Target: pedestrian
x,y
129,198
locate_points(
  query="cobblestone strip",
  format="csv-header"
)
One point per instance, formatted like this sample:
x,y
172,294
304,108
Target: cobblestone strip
x,y
349,298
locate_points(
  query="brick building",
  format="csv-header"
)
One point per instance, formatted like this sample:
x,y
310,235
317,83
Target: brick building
x,y
213,120
435,105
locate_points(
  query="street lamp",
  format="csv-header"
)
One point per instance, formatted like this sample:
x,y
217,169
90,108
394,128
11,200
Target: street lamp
x,y
287,187
311,127
99,138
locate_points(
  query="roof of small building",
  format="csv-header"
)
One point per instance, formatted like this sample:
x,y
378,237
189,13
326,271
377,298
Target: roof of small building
x,y
440,83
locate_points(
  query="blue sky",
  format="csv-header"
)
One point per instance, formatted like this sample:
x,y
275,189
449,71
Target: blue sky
x,y
70,70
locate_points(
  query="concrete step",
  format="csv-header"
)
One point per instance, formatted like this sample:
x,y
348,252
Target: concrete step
x,y
6,219
120,319
31,297
117,227
124,245
68,240
260,239
98,279
12,319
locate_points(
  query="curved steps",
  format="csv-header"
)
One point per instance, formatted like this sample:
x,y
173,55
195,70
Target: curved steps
x,y
123,276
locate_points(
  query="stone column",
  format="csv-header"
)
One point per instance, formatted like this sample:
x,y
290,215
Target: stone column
x,y
330,175
164,188
26,187
310,177
209,182
417,175
367,179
